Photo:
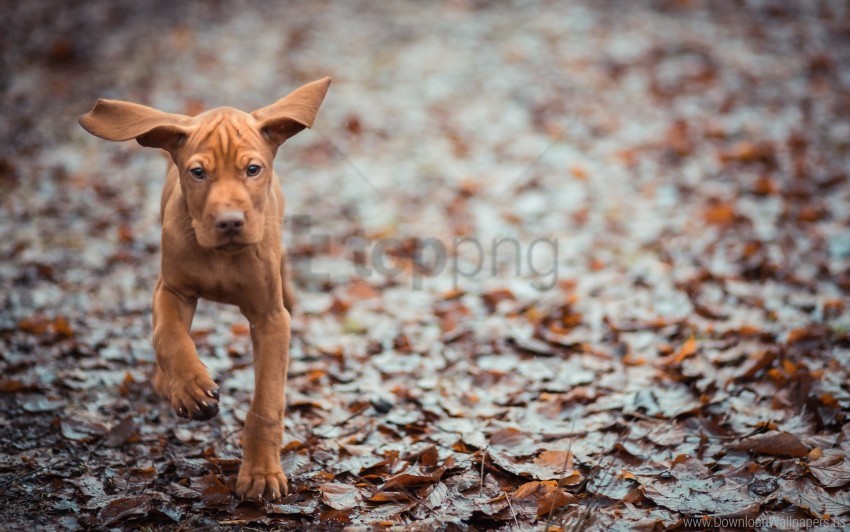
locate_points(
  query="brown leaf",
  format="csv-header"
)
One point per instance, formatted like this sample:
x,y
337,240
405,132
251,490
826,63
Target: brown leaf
x,y
390,496
453,294
549,465
547,496
352,124
414,477
495,506
340,496
213,492
719,214
127,384
529,489
39,325
833,308
334,517
493,298
360,289
429,457
514,442
764,186
816,500
579,172
756,363
120,509
78,430
339,306
688,349
62,328
34,325
691,489
810,333
385,515
553,464
774,444
121,433
554,500
144,472
506,462
749,152
831,470
14,386
440,501
623,486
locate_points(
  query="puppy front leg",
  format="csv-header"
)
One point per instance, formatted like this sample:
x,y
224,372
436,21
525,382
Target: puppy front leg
x,y
289,300
261,474
180,377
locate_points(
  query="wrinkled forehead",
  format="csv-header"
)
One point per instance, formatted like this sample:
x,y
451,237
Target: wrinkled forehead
x,y
226,136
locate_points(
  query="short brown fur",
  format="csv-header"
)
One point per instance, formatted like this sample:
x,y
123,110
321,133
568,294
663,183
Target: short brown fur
x,y
221,240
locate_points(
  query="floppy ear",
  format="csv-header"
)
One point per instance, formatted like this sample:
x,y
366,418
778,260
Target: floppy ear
x,y
293,112
116,120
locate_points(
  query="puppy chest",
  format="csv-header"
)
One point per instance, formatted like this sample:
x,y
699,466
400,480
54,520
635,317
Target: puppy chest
x,y
233,283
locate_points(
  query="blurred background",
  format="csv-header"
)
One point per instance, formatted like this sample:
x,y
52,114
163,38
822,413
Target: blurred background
x,y
682,165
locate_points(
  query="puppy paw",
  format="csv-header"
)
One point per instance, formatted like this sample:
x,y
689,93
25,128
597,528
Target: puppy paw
x,y
194,395
255,483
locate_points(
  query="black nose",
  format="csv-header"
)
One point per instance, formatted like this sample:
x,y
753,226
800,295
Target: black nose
x,y
230,223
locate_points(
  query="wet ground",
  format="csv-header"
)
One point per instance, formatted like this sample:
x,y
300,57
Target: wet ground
x,y
559,264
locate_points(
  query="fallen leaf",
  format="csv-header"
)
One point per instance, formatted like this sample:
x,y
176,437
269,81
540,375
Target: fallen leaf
x,y
553,465
702,494
720,214
832,470
78,430
553,500
340,496
429,457
335,518
15,385
774,443
360,289
688,349
548,465
494,297
214,493
124,508
413,477
544,497
816,500
514,442
40,405
123,432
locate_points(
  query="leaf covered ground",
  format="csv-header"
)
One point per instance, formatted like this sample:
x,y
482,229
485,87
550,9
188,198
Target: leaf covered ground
x,y
578,265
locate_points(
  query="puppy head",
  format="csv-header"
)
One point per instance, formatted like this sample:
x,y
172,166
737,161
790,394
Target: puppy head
x,y
224,156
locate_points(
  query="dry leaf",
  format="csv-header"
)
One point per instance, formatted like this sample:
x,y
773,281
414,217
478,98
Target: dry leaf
x,y
774,444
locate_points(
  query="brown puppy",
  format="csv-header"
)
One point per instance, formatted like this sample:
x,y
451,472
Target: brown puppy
x,y
222,209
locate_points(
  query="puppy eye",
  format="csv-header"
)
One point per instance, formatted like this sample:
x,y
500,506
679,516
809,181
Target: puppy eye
x,y
197,172
254,170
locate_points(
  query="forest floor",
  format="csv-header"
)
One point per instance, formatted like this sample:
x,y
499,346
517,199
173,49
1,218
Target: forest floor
x,y
571,265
